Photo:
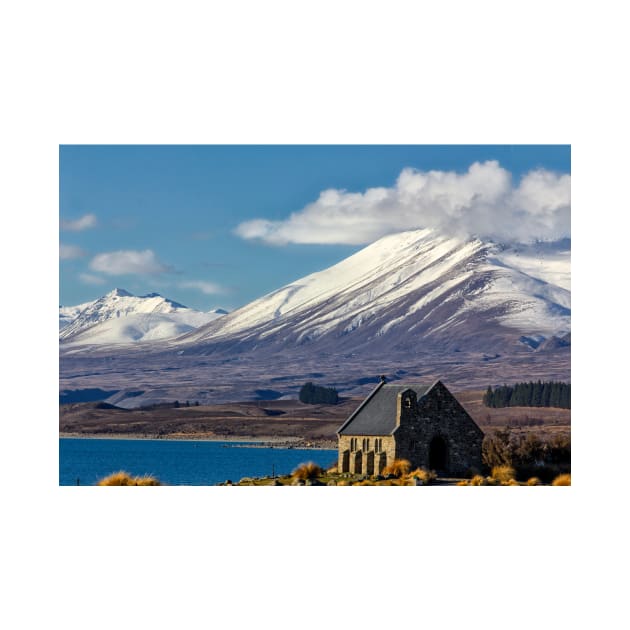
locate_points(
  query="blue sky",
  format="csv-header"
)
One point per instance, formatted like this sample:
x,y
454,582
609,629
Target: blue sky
x,y
212,226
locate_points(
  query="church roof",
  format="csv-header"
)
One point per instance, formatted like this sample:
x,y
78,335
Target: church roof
x,y
376,415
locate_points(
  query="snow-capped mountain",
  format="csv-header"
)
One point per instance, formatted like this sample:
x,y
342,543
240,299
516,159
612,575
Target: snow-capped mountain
x,y
409,291
120,317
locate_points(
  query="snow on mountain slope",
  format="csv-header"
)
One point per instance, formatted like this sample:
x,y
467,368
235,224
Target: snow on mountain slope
x,y
414,287
120,317
67,314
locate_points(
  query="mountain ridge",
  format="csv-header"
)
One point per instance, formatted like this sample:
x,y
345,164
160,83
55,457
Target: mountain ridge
x,y
121,317
418,284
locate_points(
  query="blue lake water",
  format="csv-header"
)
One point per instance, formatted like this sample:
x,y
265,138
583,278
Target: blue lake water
x,y
179,462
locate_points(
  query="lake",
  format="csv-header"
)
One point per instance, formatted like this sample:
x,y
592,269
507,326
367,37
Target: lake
x,y
179,462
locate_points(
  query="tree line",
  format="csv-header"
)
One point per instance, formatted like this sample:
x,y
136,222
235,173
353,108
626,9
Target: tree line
x,y
315,395
539,394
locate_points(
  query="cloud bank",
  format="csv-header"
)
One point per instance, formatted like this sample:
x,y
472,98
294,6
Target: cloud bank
x,y
481,202
124,262
208,288
68,252
88,278
85,222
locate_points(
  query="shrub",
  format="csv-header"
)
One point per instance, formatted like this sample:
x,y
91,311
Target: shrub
x,y
307,471
562,480
503,473
122,478
397,468
530,455
498,449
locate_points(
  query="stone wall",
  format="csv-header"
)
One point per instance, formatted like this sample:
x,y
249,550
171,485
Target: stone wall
x,y
437,415
359,460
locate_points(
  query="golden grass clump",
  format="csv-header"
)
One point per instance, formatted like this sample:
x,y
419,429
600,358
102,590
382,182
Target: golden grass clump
x,y
307,471
398,468
534,481
512,482
427,476
562,480
478,480
503,473
146,480
122,478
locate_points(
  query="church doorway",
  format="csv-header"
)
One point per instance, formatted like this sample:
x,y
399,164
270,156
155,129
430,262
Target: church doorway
x,y
438,454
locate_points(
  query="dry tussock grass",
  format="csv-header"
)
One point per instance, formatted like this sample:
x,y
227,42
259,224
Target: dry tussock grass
x,y
562,480
503,474
398,468
307,471
424,475
122,478
533,481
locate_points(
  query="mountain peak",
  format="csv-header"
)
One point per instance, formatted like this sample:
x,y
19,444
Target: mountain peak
x,y
119,293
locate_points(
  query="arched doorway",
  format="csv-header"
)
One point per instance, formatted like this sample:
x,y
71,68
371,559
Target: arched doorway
x,y
438,454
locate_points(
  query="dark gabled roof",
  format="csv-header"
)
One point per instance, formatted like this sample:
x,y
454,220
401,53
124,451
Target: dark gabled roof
x,y
377,413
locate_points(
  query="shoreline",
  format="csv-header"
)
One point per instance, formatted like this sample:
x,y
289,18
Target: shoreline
x,y
245,441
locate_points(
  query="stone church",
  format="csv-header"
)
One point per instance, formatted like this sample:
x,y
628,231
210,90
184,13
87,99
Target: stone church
x,y
423,424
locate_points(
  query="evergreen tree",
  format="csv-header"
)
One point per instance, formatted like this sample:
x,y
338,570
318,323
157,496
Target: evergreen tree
x,y
537,394
315,394
488,397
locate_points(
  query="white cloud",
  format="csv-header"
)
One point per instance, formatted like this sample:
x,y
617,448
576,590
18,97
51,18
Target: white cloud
x,y
67,252
88,278
483,202
85,222
209,288
125,262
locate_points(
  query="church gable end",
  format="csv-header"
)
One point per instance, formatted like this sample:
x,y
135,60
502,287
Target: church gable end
x,y
425,425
